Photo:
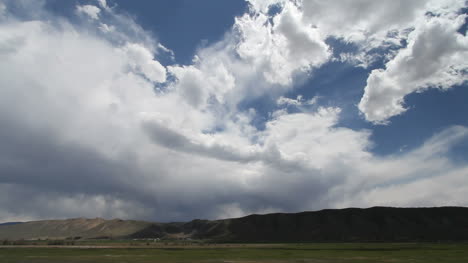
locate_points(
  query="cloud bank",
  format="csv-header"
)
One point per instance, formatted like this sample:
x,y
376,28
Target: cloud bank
x,y
93,124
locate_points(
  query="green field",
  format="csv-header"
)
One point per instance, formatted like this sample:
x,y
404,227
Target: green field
x,y
135,253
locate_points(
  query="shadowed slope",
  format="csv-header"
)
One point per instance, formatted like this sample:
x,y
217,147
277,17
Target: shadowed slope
x,y
353,225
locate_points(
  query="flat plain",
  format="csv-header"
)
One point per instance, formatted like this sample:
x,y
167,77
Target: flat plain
x,y
144,252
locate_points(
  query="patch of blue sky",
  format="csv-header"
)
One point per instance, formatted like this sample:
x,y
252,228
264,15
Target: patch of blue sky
x,y
263,107
185,25
180,25
428,113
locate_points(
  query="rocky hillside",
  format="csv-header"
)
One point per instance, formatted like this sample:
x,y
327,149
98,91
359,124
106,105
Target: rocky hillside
x,y
331,225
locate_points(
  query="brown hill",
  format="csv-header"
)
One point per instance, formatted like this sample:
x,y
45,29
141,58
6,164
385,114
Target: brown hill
x,y
78,227
331,225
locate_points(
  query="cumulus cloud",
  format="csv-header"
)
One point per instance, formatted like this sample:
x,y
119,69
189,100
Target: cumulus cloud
x,y
434,58
412,32
89,10
94,125
281,47
141,60
261,54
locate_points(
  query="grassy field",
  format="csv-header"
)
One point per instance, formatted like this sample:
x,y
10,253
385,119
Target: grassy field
x,y
319,253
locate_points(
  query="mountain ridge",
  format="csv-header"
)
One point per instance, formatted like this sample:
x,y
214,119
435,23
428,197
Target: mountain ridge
x,y
327,225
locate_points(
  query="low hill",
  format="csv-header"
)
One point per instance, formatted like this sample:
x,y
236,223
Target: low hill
x,y
72,228
330,225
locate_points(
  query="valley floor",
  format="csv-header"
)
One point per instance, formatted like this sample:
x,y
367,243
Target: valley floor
x,y
146,252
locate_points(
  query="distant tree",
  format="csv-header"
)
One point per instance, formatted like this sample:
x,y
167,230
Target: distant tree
x,y
56,243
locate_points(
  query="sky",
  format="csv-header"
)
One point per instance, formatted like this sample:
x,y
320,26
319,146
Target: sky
x,y
176,110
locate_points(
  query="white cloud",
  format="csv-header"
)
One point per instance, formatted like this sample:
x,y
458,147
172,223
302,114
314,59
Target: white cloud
x,y
310,138
89,10
260,55
425,62
299,101
281,49
106,28
166,50
102,3
361,59
434,58
141,61
197,84
357,20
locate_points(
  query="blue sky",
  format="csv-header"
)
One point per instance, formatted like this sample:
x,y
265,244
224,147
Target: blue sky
x,y
172,22
174,110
